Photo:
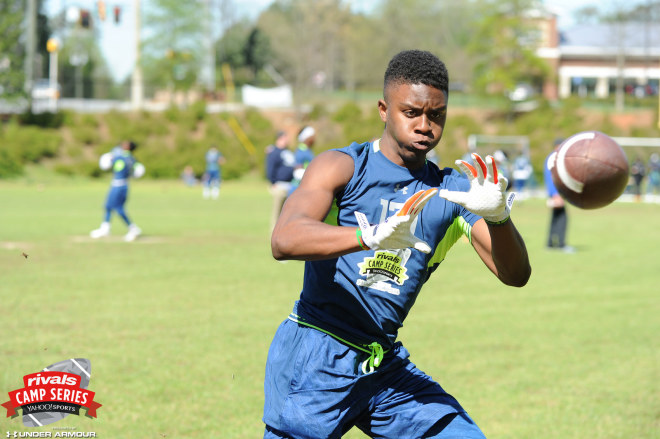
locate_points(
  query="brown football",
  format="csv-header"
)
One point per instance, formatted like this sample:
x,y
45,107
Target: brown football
x,y
590,170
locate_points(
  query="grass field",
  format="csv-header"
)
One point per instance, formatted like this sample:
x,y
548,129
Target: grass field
x,y
177,325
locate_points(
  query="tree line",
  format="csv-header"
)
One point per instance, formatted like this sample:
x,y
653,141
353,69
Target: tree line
x,y
488,45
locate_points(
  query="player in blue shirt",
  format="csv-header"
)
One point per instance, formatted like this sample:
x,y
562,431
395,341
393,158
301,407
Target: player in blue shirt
x,y
303,154
213,175
557,205
306,139
124,167
280,165
335,362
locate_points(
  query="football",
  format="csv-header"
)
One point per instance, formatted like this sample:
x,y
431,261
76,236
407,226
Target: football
x,y
589,170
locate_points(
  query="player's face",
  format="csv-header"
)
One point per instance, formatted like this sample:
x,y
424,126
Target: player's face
x,y
414,116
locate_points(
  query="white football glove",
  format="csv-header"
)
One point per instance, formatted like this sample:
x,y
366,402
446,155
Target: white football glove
x,y
138,170
395,232
105,162
487,195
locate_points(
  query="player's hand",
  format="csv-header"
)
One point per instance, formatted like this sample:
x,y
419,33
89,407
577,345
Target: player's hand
x,y
487,195
138,170
105,161
395,232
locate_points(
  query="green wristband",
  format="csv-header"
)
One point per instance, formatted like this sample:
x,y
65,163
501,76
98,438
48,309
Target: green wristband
x,y
358,233
498,223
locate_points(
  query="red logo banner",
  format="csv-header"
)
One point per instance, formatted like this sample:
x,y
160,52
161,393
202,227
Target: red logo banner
x,y
52,387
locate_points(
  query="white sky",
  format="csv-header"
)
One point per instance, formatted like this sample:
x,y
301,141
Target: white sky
x,y
117,41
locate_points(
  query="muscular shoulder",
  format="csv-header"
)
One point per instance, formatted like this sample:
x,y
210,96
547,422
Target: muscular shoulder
x,y
332,169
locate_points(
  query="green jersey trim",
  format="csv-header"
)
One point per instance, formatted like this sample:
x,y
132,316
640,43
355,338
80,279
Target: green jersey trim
x,y
454,232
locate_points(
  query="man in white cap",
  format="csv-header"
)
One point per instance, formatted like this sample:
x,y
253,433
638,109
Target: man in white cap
x,y
303,154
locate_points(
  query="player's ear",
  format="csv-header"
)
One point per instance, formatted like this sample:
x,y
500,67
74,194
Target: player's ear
x,y
382,109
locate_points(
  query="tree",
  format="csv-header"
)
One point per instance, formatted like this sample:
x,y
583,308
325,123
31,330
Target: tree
x,y
443,28
307,40
232,50
503,45
587,15
12,52
257,50
172,55
82,68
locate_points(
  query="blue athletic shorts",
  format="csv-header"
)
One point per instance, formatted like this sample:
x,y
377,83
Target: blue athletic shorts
x,y
116,197
315,388
213,177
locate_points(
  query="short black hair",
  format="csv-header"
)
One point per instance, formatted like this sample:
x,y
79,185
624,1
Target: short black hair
x,y
417,67
132,145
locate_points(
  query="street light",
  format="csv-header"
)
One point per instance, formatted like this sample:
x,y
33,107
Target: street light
x,y
52,45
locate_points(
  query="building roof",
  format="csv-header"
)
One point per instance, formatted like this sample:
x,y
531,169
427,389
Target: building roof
x,y
632,35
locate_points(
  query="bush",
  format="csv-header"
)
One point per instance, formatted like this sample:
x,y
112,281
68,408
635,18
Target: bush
x,y
10,165
44,120
86,135
350,111
29,143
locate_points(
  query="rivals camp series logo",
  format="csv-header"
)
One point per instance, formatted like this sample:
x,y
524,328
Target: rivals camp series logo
x,y
54,393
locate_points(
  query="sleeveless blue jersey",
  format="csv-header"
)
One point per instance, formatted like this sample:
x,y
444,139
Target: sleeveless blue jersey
x,y
365,296
122,168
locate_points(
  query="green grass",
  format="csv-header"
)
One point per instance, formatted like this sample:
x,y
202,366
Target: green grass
x,y
177,325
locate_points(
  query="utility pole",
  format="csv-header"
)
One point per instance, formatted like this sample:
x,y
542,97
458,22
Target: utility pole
x,y
620,66
53,47
210,49
136,79
31,42
208,66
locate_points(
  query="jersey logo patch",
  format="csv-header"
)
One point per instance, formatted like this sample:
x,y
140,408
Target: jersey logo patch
x,y
383,266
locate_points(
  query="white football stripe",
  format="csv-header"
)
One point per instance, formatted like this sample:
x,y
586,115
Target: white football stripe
x,y
36,421
80,367
562,172
551,160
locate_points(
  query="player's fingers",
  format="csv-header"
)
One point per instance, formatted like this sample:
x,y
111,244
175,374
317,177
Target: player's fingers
x,y
423,247
494,165
407,206
395,220
503,183
422,200
492,169
453,196
481,166
467,169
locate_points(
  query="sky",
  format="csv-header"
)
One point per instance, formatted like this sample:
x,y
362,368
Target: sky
x,y
118,41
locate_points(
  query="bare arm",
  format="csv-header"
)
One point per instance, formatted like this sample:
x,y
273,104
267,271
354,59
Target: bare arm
x,y
503,251
300,232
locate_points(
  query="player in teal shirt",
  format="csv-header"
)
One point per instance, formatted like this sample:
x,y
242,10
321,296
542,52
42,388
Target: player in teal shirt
x,y
335,362
303,154
124,167
213,175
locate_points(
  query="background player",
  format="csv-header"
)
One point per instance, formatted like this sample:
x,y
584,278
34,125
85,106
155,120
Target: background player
x,y
213,174
124,166
280,165
557,205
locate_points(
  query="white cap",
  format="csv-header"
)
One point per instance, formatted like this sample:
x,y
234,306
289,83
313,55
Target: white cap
x,y
306,133
499,156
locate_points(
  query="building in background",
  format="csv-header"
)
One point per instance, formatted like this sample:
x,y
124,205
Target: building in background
x,y
588,59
